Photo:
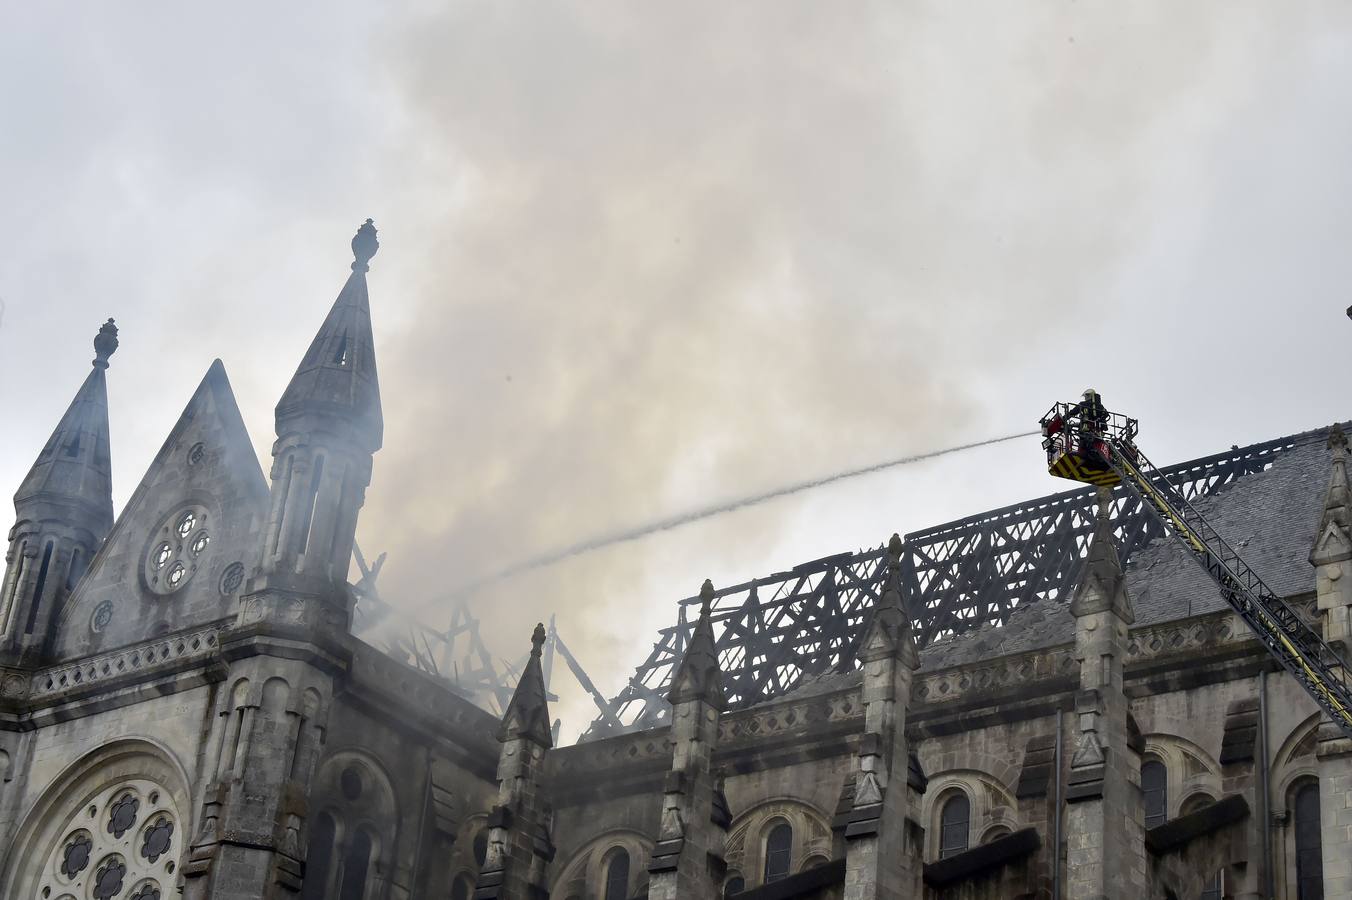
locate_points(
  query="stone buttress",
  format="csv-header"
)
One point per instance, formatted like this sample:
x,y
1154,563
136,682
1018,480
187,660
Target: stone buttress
x,y
883,850
287,645
1332,559
1104,818
519,845
688,859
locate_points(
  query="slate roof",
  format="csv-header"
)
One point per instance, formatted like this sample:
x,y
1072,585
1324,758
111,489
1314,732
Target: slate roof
x,y
1269,518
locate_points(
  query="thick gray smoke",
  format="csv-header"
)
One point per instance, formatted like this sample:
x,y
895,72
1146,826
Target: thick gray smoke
x,y
600,542
664,253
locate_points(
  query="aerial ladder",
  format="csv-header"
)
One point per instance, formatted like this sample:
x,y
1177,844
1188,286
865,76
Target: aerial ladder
x,y
1087,443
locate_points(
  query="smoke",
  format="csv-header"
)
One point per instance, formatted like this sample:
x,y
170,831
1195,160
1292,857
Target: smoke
x,y
634,533
644,255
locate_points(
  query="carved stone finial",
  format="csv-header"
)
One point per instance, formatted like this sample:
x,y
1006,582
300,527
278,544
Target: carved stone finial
x,y
1337,439
1105,505
894,550
706,597
537,638
105,344
364,246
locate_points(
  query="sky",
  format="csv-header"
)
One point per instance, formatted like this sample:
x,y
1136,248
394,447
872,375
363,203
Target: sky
x,y
642,258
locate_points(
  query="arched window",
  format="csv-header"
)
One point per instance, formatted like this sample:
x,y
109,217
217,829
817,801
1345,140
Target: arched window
x,y
736,884
481,848
461,889
1309,853
617,876
1155,791
38,589
778,850
318,859
954,824
356,863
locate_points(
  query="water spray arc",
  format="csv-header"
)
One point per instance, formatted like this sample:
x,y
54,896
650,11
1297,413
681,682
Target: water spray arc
x,y
667,523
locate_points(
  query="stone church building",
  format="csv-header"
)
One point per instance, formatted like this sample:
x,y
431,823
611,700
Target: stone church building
x,y
185,710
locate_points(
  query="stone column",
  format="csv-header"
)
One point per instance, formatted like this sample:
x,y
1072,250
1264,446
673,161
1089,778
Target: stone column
x,y
883,856
1332,559
688,862
250,840
1104,823
519,846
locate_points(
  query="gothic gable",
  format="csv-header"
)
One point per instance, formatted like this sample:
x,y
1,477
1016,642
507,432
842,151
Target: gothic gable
x,y
179,552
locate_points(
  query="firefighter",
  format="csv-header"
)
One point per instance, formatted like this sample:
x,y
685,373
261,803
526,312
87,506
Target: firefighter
x,y
1093,413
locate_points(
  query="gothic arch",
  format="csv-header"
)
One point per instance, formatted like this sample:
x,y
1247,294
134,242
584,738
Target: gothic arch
x,y
1191,770
1293,765
745,851
126,805
353,789
584,874
934,757
992,804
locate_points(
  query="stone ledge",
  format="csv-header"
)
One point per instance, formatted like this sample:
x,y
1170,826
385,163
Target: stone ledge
x,y
116,668
983,859
1179,832
823,876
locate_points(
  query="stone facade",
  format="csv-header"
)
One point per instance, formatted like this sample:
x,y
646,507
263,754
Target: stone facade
x,y
184,709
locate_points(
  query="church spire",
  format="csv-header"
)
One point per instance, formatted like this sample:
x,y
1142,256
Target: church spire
x,y
1338,500
527,714
63,511
1102,586
699,676
328,427
74,467
890,633
336,379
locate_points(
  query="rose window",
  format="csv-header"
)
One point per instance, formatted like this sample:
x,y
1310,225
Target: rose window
x,y
121,845
177,549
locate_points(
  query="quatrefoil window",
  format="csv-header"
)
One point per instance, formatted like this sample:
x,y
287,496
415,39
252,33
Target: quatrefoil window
x,y
122,815
75,857
108,880
177,549
157,838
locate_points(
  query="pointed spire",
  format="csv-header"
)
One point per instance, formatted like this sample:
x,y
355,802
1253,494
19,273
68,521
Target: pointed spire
x,y
337,376
890,632
1339,499
1333,543
1102,585
699,676
74,468
527,715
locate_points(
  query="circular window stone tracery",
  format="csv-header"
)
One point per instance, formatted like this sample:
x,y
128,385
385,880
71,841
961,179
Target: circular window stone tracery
x,y
127,851
75,855
102,615
232,578
177,549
